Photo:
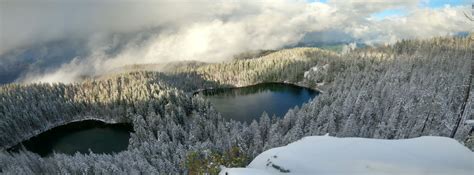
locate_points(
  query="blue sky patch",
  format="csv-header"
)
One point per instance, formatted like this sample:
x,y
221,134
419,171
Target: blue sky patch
x,y
442,3
389,12
424,4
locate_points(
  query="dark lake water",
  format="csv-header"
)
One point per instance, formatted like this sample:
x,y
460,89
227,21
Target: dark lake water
x,y
248,103
80,137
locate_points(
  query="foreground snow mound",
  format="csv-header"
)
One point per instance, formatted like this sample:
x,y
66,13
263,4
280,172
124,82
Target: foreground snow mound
x,y
350,156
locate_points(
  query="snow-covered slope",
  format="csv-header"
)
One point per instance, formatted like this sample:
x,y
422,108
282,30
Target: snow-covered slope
x,y
349,156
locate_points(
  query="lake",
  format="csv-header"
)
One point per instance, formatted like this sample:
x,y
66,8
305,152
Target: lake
x,y
82,136
248,103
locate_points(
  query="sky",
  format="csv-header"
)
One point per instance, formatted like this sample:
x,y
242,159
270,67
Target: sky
x,y
430,4
62,40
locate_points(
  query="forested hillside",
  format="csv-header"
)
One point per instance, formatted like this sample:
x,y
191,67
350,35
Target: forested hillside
x,y
168,124
409,89
286,65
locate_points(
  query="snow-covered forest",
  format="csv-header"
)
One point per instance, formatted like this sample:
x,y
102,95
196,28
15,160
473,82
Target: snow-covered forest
x,y
410,89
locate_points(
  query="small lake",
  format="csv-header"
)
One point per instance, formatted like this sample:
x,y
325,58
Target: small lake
x,y
248,103
82,136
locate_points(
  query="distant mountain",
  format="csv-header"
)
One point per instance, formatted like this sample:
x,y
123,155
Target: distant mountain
x,y
332,46
39,58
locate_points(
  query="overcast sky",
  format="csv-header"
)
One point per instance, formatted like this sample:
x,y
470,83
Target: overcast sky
x,y
96,36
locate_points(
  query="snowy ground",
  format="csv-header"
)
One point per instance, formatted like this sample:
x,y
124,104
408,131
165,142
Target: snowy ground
x,y
350,156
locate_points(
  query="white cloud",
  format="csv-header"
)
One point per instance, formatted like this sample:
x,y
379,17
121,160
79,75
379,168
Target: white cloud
x,y
150,31
419,23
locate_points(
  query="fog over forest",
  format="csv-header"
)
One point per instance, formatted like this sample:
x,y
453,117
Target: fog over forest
x,y
61,41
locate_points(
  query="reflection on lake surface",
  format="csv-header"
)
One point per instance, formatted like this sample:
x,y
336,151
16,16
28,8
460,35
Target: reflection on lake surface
x,y
82,136
248,103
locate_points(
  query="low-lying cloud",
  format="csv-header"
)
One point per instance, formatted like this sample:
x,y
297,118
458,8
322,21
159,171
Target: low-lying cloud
x,y
114,33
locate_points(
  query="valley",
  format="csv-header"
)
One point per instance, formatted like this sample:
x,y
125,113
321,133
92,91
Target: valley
x,y
410,89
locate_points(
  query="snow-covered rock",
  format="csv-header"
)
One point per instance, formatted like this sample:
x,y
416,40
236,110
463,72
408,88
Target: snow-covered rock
x,y
315,70
324,155
469,122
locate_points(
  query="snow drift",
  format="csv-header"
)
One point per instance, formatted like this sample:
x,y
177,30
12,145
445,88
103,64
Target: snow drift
x,y
331,155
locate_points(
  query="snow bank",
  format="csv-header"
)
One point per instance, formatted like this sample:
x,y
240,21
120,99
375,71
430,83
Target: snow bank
x,y
469,122
350,156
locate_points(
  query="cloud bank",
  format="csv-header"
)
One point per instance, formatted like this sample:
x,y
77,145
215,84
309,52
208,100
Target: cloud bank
x,y
98,36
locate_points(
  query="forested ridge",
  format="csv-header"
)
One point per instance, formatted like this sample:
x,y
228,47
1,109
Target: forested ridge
x,y
286,65
409,89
